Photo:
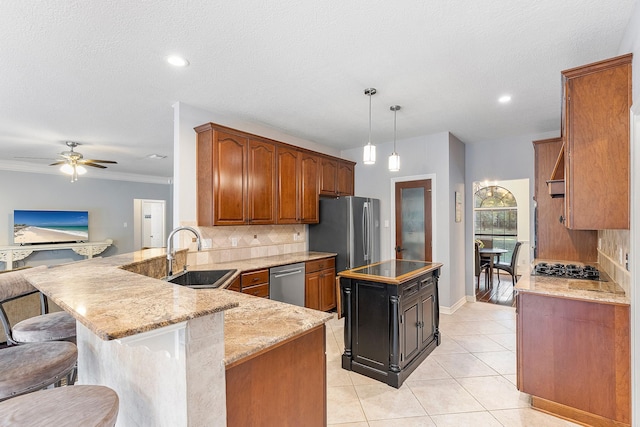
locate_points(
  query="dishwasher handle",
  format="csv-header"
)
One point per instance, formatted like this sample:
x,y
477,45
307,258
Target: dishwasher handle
x,y
287,273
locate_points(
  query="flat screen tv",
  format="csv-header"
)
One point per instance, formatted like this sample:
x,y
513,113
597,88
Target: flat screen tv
x,y
40,227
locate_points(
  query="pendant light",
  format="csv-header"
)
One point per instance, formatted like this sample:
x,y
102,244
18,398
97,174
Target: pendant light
x,y
394,158
369,156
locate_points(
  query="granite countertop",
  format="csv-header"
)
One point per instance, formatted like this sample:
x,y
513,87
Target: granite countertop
x,y
114,303
589,290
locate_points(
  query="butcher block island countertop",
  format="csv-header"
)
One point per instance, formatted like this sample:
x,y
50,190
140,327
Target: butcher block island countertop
x,y
125,320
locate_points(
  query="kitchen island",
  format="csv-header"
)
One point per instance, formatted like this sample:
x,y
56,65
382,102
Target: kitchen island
x,y
169,351
573,346
391,318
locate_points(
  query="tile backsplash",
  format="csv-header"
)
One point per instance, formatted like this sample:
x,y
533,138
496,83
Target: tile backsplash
x,y
233,243
613,248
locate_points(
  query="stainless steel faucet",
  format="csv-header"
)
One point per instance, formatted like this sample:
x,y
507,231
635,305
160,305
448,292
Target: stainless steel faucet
x,y
170,252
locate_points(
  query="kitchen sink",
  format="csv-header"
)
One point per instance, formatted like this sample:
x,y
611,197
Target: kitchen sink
x,y
201,279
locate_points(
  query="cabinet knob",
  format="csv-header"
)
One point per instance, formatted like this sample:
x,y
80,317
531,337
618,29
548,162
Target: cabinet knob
x,y
561,219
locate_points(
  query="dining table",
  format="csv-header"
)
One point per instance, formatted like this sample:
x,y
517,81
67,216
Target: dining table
x,y
492,254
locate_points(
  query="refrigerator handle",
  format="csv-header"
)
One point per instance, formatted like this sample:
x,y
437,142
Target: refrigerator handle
x,y
365,230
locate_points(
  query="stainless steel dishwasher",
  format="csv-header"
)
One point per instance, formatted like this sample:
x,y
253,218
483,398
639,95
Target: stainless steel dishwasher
x,y
286,284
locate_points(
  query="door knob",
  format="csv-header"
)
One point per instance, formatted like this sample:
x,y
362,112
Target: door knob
x,y
399,249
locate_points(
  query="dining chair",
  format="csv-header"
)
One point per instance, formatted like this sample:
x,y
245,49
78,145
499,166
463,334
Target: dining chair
x,y
511,266
486,243
480,267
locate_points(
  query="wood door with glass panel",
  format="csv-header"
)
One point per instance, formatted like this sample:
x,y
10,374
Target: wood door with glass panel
x,y
413,220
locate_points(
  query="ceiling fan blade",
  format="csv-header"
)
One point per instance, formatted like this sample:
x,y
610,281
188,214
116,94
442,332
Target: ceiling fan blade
x,y
98,161
60,162
95,165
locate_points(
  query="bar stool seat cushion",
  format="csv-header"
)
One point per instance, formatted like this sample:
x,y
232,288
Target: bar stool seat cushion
x,y
31,367
72,406
58,326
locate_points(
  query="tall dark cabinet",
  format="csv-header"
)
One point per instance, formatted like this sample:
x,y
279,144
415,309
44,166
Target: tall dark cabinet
x,y
391,318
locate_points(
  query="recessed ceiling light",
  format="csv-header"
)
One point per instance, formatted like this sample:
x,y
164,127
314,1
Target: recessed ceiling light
x,y
177,61
156,156
504,99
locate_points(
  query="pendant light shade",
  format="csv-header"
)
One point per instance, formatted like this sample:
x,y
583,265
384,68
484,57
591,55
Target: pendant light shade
x,y
369,155
394,158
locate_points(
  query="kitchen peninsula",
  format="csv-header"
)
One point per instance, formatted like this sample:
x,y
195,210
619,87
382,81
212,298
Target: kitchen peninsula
x,y
169,351
391,318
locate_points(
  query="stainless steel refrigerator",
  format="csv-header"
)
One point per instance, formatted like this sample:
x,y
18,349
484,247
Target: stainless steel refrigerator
x,y
350,227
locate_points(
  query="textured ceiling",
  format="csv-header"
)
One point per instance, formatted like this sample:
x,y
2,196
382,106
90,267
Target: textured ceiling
x,y
95,72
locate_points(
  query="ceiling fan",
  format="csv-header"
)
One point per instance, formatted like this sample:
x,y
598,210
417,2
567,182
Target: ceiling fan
x,y
73,162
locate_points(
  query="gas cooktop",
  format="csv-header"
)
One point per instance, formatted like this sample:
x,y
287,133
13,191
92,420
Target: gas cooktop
x,y
570,271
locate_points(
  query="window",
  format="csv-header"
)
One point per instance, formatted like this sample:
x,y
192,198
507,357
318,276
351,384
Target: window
x,y
496,218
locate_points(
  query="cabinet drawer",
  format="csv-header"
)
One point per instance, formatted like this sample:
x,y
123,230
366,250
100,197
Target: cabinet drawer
x,y
320,264
255,278
261,290
426,282
410,289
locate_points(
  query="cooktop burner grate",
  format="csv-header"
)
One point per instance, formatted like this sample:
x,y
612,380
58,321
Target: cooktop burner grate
x,y
573,271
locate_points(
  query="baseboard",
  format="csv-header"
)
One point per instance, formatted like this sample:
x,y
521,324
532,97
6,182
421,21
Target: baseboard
x,y
471,298
450,310
573,414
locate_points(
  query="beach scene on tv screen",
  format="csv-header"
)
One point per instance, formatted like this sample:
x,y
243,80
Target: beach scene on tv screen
x,y
50,226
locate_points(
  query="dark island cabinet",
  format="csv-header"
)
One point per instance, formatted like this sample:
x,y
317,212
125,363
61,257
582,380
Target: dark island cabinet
x,y
389,328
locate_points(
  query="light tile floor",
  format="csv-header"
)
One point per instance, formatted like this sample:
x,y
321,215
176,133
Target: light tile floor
x,y
469,380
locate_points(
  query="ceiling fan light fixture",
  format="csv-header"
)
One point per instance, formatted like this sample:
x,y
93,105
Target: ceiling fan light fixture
x,y
369,153
81,170
66,168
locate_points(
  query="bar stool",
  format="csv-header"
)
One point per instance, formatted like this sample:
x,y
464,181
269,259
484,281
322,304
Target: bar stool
x,y
59,326
31,367
77,406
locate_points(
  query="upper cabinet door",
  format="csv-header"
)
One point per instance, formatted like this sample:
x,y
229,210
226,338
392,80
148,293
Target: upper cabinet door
x,y
328,176
345,179
261,182
309,188
230,179
597,151
288,171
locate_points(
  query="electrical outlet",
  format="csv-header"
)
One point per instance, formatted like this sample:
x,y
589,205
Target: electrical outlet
x,y
234,241
295,236
206,243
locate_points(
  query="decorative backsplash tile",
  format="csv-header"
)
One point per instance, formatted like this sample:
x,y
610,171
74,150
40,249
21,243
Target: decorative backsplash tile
x,y
233,243
613,248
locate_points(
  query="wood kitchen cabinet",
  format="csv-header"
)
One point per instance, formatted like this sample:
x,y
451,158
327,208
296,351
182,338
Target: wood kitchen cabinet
x,y
336,177
595,128
553,239
298,186
282,386
320,284
573,358
254,283
244,179
236,179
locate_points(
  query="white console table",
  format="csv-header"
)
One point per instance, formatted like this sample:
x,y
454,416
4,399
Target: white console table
x,y
8,254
